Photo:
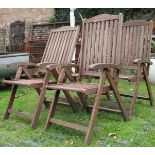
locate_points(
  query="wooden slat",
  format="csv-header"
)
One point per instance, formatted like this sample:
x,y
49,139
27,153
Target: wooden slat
x,y
101,108
105,41
66,47
141,43
145,43
150,35
20,114
90,60
131,96
64,59
50,52
56,45
77,87
69,125
35,83
119,38
69,47
130,60
63,47
114,47
137,42
110,43
106,109
134,43
87,53
47,48
97,43
123,46
90,73
101,43
126,46
74,42
86,43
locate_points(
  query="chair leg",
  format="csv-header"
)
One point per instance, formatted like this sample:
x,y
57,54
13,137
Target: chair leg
x,y
52,108
117,95
92,119
135,91
95,110
46,104
83,99
38,108
148,86
10,104
70,100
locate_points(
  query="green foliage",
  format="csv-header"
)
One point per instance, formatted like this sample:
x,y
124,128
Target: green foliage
x,y
129,13
61,15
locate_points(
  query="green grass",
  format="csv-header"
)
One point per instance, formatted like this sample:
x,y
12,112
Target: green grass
x,y
139,131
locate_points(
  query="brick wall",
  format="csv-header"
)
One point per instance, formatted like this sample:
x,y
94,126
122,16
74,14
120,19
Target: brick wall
x,y
28,15
8,16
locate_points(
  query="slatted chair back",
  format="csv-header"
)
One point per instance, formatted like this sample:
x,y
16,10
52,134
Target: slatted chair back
x,y
61,45
101,41
136,42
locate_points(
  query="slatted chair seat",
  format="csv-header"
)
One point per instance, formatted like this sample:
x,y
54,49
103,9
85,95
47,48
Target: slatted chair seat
x,y
86,88
34,83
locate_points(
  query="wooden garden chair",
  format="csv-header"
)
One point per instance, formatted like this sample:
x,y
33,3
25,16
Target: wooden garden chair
x,y
101,40
59,49
134,55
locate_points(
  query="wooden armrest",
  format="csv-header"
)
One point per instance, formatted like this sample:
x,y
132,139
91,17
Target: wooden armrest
x,y
44,64
104,66
22,64
139,61
54,66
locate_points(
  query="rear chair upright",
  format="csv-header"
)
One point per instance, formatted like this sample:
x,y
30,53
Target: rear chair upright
x,y
59,50
101,40
135,55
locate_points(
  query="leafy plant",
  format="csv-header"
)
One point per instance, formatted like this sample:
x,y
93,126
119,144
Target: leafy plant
x,y
62,14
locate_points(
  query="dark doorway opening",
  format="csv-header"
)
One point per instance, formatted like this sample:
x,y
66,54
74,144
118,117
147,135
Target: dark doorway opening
x,y
17,36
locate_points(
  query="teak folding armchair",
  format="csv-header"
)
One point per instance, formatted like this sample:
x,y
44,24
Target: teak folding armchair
x,y
59,50
135,53
101,38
